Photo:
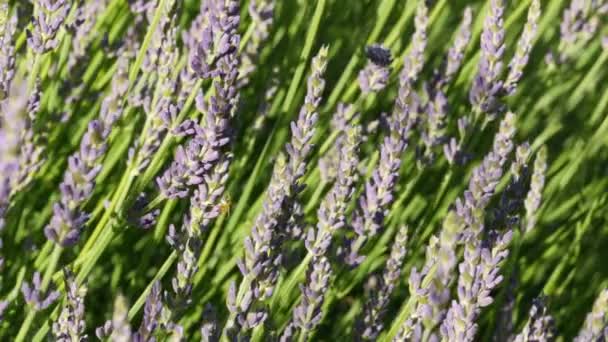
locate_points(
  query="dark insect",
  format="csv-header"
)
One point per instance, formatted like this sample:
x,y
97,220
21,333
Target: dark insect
x,y
379,55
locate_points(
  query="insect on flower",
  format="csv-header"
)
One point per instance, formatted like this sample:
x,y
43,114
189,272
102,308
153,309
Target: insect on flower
x,y
378,55
225,205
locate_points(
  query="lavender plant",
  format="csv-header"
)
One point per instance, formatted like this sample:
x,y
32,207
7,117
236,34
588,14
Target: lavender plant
x,y
287,223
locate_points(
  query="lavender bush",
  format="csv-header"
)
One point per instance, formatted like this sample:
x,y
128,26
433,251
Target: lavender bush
x,y
261,170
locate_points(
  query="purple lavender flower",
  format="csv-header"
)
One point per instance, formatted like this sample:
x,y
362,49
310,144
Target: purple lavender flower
x,y
35,297
596,321
329,162
152,315
374,77
160,59
12,123
262,247
479,275
487,85
30,154
86,18
435,128
332,212
414,61
70,325
262,18
308,314
191,163
524,46
202,151
579,25
205,202
540,326
49,16
456,51
533,199
118,328
371,324
378,195
464,223
83,167
7,52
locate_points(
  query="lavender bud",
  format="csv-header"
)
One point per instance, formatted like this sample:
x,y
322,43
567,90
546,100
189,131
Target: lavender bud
x,y
379,190
118,328
464,223
414,61
262,17
533,199
435,132
83,167
86,18
7,51
49,16
328,163
263,246
596,321
540,326
456,51
486,84
332,212
35,297
524,46
70,325
152,314
308,314
371,324
479,275
579,24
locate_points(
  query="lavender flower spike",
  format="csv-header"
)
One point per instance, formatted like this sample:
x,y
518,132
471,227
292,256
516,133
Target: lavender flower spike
x,y
308,314
540,326
332,212
34,296
262,247
479,275
580,23
208,140
70,325
372,323
7,51
533,199
374,77
414,61
262,17
378,196
524,46
49,16
117,329
464,223
456,51
486,85
206,200
83,167
596,324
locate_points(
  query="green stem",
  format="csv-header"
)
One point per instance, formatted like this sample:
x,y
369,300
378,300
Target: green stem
x,y
25,325
56,254
144,295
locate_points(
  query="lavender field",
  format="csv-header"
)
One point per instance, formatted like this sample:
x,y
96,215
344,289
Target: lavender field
x,y
303,170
